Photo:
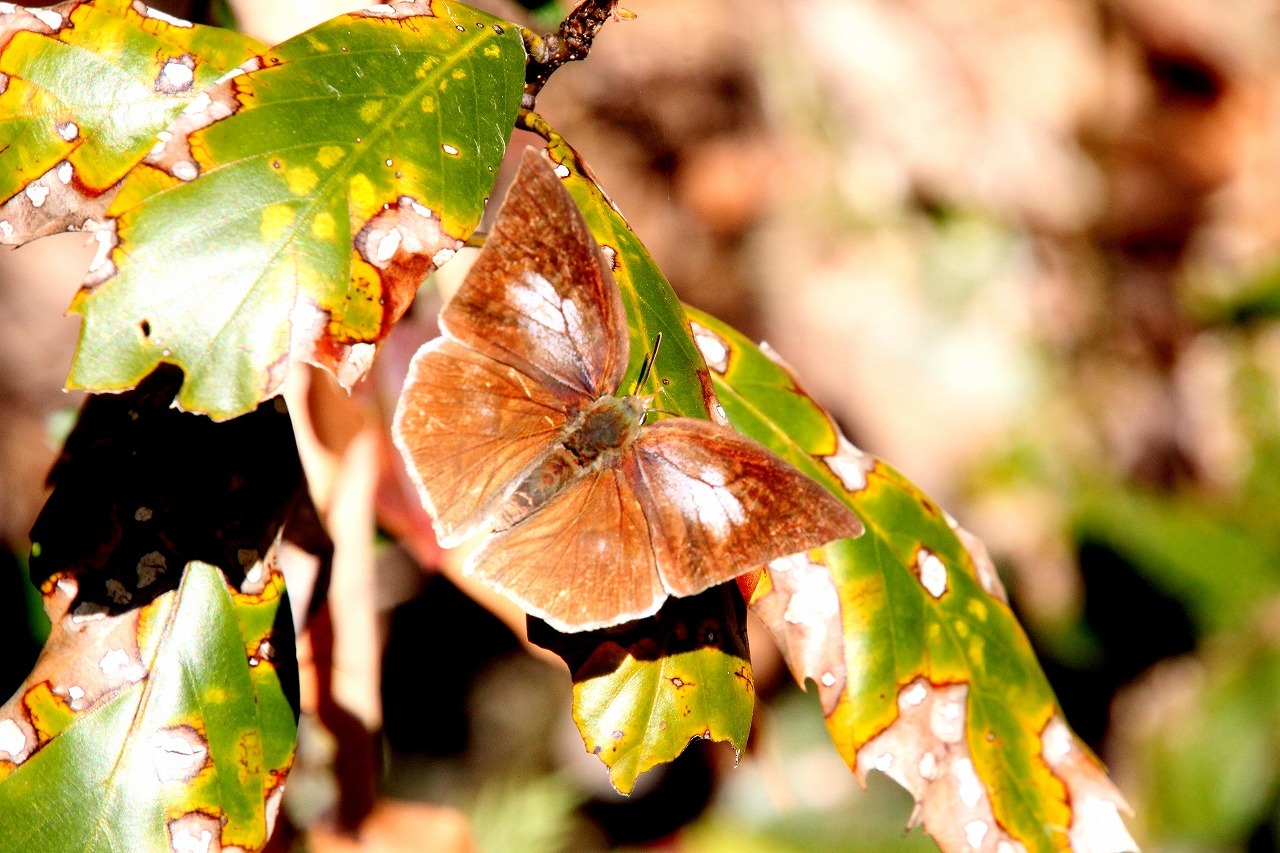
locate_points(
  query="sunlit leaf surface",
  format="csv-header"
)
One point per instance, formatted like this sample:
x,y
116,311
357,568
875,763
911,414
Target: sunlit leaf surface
x,y
188,741
161,709
928,678
87,86
643,690
293,209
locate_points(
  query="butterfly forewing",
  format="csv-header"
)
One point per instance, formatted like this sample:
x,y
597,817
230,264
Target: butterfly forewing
x,y
468,426
719,504
585,560
539,297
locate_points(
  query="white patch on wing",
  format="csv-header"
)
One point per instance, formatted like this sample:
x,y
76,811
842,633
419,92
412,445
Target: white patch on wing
x,y
717,509
540,302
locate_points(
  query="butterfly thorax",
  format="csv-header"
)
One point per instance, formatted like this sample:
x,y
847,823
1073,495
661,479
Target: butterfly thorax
x,y
608,425
594,438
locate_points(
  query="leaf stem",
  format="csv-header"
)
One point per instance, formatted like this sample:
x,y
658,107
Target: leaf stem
x,y
570,43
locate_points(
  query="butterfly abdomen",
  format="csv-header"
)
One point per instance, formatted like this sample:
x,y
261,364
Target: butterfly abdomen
x,y
596,437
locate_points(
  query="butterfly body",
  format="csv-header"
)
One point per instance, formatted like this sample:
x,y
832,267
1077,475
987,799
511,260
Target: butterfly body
x,y
596,437
512,425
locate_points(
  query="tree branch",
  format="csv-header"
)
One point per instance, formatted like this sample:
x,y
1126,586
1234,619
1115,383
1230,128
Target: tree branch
x,y
571,42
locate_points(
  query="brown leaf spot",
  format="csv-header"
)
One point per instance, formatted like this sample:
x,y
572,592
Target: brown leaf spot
x,y
404,243
925,751
802,611
103,266
1096,804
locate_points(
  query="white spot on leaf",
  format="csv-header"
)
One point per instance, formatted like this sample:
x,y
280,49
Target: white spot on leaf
x,y
12,740
65,172
388,245
115,664
191,841
48,17
561,170
933,574
201,103
177,754
67,130
814,599
450,150
176,76
714,349
1056,741
974,832
37,194
914,694
970,786
947,721
849,464
157,15
185,170
6,229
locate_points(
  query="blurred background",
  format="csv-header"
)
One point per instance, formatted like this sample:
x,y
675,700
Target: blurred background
x,y
1028,252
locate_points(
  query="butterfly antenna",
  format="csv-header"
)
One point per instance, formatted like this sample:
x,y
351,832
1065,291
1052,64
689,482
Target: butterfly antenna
x,y
648,362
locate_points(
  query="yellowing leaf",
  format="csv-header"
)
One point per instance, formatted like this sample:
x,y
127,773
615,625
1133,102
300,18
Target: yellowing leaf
x,y
293,209
85,87
923,672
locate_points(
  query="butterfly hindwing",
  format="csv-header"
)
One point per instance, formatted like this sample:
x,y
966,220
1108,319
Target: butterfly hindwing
x,y
585,560
468,426
539,298
719,504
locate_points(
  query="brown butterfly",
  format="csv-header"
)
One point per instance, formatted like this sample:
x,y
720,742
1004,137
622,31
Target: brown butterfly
x,y
511,422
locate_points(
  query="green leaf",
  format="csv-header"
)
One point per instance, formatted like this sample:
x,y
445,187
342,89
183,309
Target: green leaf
x,y
1199,734
157,696
192,746
89,85
1217,569
643,690
295,208
923,671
